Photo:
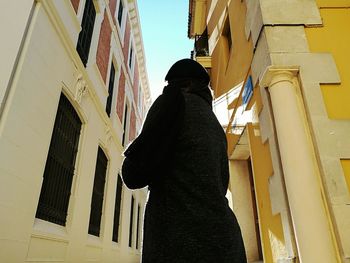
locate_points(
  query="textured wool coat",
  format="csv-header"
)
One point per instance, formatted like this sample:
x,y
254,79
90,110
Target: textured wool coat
x,y
187,217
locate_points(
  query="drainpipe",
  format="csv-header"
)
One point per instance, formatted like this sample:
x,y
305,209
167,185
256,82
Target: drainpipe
x,y
310,220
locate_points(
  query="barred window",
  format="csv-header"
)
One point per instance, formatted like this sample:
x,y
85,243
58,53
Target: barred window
x,y
131,221
87,28
138,227
110,90
98,193
125,124
60,165
118,198
120,12
131,57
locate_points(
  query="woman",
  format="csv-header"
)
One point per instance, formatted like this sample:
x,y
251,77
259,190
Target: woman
x,y
181,154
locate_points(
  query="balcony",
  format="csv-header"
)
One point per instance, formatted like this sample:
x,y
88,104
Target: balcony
x,y
242,115
201,50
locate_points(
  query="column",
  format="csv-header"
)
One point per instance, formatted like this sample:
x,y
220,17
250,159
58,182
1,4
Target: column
x,y
310,220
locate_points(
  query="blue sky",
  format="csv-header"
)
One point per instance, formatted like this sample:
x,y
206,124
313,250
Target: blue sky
x,y
164,33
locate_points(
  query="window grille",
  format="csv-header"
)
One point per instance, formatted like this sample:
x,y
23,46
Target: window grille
x,y
110,90
131,221
138,227
131,56
60,164
87,27
118,198
98,193
125,124
120,12
201,44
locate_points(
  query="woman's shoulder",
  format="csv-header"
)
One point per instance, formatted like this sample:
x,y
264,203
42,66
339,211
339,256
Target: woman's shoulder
x,y
193,98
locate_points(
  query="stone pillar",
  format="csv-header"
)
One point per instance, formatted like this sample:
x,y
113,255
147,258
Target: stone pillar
x,y
310,219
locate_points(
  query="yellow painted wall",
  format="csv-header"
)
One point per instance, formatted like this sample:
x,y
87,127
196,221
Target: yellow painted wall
x,y
333,3
270,225
229,69
346,168
200,11
334,38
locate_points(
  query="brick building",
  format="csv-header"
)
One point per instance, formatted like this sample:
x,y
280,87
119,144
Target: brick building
x,y
74,91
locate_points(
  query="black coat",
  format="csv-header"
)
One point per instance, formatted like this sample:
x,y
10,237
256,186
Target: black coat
x,y
187,216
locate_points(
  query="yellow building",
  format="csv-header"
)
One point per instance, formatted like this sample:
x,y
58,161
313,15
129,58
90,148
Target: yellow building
x,y
280,74
73,92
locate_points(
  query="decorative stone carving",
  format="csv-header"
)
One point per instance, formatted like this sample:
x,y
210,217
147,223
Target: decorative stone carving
x,y
80,88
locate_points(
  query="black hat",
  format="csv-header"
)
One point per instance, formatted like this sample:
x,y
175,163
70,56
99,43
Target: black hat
x,y
187,68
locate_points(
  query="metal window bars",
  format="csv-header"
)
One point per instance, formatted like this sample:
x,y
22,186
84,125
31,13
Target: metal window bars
x,y
60,165
98,193
87,28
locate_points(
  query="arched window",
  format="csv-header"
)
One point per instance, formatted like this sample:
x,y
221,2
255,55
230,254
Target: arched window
x,y
60,165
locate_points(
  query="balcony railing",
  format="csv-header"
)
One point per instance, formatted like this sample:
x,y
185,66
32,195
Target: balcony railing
x,y
201,48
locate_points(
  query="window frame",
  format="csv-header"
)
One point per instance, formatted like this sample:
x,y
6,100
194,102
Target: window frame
x,y
131,222
111,88
119,193
227,34
126,122
85,53
138,227
121,28
100,150
131,59
51,154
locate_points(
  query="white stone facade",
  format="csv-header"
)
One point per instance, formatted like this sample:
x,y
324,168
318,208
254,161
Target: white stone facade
x,y
42,65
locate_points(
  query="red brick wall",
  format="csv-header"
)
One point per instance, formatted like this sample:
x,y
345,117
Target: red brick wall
x,y
75,4
121,95
132,132
104,46
112,7
126,42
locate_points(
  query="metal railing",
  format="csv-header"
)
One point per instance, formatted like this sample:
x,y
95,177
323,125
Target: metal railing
x,y
201,47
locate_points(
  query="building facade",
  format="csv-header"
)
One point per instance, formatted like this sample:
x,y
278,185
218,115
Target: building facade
x,y
279,73
74,91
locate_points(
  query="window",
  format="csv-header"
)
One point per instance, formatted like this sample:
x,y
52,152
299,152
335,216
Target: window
x,y
120,13
131,220
131,60
138,227
60,165
201,44
110,90
227,34
87,27
118,198
125,124
98,193
131,56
